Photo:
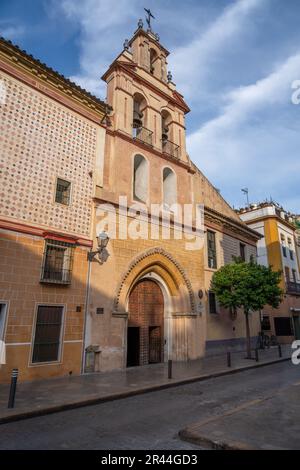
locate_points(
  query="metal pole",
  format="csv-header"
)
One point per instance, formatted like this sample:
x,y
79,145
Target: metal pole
x,y
169,368
256,355
228,359
279,350
13,387
85,323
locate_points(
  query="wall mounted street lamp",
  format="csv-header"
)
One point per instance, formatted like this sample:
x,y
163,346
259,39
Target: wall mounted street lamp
x,y
102,241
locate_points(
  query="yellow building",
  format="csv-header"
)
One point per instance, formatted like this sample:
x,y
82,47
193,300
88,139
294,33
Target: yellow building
x,y
278,248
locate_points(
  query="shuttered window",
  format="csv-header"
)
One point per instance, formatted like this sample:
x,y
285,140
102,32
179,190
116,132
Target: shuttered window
x,y
47,336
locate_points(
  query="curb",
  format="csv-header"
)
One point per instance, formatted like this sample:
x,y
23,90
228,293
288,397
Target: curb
x,y
193,436
203,441
131,393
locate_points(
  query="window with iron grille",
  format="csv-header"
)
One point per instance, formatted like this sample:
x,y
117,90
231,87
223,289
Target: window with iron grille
x,y
63,192
47,338
211,249
212,302
58,262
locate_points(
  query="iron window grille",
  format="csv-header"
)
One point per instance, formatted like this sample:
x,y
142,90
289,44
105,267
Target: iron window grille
x,y
47,336
63,192
211,249
57,262
143,135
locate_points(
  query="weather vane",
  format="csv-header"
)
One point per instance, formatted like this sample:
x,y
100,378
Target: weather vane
x,y
148,18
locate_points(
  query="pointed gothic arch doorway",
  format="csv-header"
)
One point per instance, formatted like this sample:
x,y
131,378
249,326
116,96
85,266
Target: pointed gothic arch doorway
x,y
145,332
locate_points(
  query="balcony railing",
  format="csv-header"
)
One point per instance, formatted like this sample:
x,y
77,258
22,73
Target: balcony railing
x,y
143,135
171,149
293,287
62,276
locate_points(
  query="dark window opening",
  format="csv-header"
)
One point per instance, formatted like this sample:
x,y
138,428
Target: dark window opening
x,y
283,326
63,192
47,334
284,251
265,324
212,302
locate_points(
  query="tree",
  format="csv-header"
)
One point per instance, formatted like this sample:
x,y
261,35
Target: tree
x,y
249,286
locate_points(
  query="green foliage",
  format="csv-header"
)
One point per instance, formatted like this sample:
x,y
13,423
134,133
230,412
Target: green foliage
x,y
247,285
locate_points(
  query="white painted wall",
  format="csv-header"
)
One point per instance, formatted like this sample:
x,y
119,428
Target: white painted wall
x,y
262,253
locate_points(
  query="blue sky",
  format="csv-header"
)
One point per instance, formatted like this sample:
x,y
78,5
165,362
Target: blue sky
x,y
234,61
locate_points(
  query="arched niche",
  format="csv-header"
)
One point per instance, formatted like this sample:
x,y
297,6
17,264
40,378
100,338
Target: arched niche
x,y
169,187
140,178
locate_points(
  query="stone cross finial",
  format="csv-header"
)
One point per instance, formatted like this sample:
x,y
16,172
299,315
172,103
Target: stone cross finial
x,y
148,18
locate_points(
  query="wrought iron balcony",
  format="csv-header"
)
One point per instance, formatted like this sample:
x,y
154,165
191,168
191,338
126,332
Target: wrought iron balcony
x,y
137,119
171,149
143,135
293,287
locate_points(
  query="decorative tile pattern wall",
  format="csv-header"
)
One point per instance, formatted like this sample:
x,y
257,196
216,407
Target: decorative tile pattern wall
x,y
41,140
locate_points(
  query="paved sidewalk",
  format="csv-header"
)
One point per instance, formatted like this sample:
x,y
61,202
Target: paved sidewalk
x,y
53,395
272,424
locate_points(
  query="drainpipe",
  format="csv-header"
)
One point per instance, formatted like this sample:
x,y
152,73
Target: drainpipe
x,y
86,312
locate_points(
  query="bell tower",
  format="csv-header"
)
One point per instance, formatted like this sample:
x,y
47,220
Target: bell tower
x,y
148,118
148,53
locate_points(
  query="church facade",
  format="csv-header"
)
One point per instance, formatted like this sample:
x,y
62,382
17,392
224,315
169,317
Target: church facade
x,y
123,169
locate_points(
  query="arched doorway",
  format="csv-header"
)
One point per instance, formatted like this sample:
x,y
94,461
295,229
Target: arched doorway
x,y
145,333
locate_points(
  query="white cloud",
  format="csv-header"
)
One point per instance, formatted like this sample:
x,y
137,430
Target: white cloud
x,y
10,31
100,23
245,140
191,64
248,143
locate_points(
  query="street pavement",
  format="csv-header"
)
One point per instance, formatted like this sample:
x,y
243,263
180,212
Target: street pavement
x,y
57,394
153,420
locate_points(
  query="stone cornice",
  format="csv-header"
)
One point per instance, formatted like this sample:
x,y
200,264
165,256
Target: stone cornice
x,y
150,149
273,216
42,232
142,32
12,55
228,223
175,98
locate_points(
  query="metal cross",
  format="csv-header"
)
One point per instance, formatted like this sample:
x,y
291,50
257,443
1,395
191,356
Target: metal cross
x,y
148,17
